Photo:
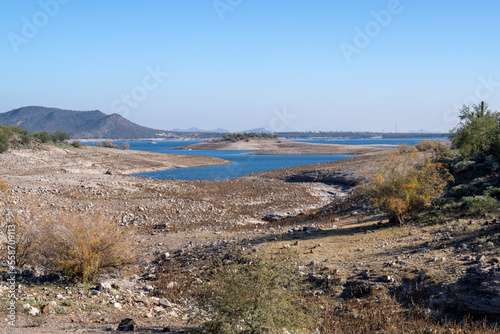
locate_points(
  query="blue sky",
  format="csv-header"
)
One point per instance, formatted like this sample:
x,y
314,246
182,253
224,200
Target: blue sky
x,y
240,64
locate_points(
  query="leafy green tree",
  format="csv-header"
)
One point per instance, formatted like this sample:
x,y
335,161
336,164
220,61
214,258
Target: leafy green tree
x,y
60,136
478,130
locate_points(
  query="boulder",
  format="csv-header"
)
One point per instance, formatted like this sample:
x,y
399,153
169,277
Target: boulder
x,y
126,325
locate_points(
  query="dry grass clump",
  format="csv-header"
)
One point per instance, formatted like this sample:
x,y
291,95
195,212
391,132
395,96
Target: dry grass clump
x,y
428,145
81,247
175,281
3,185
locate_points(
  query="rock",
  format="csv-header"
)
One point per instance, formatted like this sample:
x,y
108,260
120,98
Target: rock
x,y
165,256
126,325
27,273
149,288
165,302
480,258
117,305
387,278
286,246
34,311
46,308
172,285
103,287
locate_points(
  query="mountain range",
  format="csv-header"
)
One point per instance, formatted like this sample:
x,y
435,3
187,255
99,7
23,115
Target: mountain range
x,y
78,124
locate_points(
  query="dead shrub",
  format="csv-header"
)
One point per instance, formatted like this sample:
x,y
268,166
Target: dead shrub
x,y
175,281
81,247
84,247
427,145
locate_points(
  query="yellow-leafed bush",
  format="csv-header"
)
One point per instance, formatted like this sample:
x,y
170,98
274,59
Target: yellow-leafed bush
x,y
404,184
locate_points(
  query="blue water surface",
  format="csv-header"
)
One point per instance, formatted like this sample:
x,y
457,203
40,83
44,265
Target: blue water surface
x,y
244,164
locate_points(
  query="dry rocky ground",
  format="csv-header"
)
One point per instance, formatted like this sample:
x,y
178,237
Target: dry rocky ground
x,y
345,248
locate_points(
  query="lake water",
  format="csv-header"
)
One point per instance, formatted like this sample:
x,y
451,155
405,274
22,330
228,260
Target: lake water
x,y
244,164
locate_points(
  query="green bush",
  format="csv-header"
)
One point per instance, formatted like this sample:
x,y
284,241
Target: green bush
x,y
479,204
76,144
492,191
463,165
43,136
4,141
254,294
478,130
60,136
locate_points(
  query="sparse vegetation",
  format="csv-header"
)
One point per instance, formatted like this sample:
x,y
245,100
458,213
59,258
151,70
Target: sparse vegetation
x,y
109,144
14,137
480,204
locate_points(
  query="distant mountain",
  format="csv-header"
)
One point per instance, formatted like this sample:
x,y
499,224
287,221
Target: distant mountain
x,y
78,124
195,129
258,130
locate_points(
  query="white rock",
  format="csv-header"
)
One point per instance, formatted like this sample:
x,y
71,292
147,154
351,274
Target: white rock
x,y
34,311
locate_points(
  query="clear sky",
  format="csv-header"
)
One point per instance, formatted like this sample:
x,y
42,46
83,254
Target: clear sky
x,y
241,64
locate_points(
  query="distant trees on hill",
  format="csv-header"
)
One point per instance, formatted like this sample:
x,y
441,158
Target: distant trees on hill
x,y
14,136
247,136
